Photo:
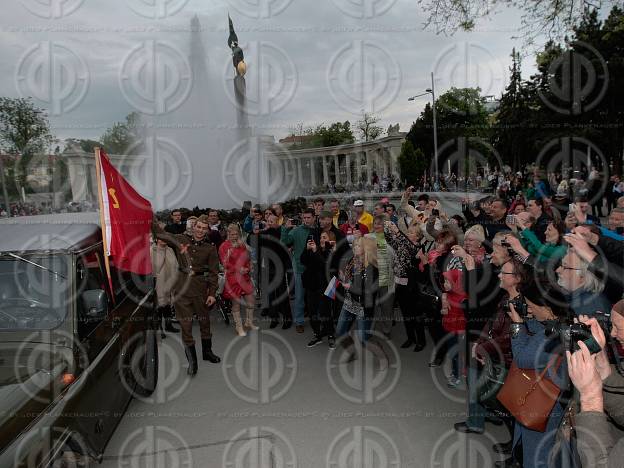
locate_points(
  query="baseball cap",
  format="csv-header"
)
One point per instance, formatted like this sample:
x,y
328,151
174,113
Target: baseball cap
x,y
358,203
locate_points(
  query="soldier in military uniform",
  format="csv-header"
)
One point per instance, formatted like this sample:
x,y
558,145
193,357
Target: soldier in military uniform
x,y
196,288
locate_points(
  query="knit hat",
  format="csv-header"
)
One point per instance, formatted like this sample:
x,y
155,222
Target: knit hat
x,y
618,308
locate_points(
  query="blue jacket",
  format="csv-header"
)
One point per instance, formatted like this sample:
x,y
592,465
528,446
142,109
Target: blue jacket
x,y
583,302
531,351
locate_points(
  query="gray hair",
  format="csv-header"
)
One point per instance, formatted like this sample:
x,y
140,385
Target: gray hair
x,y
591,282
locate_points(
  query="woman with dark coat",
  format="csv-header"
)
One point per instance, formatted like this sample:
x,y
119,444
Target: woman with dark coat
x,y
320,266
532,349
276,260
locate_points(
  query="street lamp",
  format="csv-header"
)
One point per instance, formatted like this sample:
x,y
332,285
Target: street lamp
x,y
435,127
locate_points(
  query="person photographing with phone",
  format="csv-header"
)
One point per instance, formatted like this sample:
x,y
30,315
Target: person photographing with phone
x,y
320,266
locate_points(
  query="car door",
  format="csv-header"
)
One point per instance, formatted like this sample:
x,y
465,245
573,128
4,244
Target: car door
x,y
99,346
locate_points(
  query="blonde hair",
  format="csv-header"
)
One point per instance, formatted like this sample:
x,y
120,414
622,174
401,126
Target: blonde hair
x,y
476,231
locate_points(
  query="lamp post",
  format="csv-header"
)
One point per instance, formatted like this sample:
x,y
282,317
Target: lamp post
x,y
435,127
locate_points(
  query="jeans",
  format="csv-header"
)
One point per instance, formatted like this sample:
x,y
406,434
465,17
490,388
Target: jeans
x,y
455,344
476,411
299,300
344,324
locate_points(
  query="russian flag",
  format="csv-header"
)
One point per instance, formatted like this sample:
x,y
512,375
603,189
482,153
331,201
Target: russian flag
x,y
330,291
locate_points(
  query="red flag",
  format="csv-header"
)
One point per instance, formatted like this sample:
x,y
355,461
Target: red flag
x,y
126,219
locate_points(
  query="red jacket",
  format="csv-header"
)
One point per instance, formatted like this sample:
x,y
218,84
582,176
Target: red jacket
x,y
237,265
455,320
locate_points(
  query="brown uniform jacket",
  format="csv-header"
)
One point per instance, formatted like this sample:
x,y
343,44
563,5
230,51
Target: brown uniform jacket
x,y
199,267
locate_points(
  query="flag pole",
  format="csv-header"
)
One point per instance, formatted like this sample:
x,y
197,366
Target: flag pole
x,y
98,177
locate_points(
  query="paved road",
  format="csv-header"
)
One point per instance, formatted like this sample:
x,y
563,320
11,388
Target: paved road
x,y
273,402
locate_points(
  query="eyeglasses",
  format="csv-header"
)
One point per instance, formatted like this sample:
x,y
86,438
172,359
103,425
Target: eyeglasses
x,y
507,273
570,268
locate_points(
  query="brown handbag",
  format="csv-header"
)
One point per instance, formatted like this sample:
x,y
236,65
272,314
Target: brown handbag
x,y
530,396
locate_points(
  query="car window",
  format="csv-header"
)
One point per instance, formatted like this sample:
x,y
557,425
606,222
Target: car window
x,y
90,276
34,291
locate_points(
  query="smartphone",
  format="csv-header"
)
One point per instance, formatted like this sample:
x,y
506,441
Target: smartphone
x,y
511,219
571,208
310,238
435,212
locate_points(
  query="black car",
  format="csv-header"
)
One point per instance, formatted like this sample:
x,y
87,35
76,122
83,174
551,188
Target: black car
x,y
74,346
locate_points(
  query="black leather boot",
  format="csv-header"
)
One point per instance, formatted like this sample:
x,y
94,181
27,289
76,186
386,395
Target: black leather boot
x,y
207,353
168,313
191,355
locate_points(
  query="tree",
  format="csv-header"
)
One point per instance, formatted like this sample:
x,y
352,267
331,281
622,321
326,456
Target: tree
x,y
338,133
411,163
368,128
553,19
460,113
124,137
24,131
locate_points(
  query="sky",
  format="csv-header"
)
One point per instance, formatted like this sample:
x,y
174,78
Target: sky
x,y
88,62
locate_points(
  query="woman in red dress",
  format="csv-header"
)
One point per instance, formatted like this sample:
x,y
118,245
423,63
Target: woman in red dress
x,y
238,287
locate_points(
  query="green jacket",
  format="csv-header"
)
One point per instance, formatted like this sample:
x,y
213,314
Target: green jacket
x,y
297,238
543,252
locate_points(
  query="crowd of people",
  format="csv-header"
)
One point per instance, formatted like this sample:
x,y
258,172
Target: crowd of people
x,y
528,281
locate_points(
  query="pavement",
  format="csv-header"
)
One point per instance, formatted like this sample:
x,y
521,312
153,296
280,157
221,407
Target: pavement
x,y
273,402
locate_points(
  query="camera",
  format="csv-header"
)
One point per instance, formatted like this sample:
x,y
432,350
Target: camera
x,y
435,212
571,333
519,304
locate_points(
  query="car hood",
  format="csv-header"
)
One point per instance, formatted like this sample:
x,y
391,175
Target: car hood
x,y
27,387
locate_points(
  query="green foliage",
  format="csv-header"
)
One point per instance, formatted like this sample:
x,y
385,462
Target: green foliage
x,y
411,163
24,128
124,137
338,133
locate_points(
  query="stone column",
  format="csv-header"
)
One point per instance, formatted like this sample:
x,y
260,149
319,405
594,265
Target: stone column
x,y
369,167
325,172
299,173
312,172
337,169
348,163
358,167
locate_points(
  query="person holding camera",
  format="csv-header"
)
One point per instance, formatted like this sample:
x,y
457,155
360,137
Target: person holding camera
x,y
601,391
533,349
492,350
320,266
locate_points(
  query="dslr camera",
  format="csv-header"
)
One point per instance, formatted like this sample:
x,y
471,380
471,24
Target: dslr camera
x,y
519,304
571,333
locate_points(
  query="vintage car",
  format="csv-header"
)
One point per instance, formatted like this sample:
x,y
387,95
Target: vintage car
x,y
74,346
